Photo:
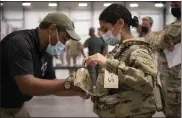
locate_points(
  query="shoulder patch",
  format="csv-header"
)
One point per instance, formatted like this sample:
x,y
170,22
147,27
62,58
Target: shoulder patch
x,y
144,61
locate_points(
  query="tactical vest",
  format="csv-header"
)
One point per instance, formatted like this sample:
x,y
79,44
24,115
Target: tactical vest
x,y
157,84
113,99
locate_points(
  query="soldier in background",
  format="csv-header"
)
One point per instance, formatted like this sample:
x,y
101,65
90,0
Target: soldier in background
x,y
171,77
74,49
145,30
133,94
146,26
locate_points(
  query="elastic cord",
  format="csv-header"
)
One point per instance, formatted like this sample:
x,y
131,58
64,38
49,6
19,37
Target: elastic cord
x,y
57,35
49,39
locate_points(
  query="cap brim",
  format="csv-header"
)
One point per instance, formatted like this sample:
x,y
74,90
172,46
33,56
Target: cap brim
x,y
73,35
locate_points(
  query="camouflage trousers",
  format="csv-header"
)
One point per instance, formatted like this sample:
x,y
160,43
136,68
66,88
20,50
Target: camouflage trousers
x,y
69,57
105,114
144,115
172,97
172,108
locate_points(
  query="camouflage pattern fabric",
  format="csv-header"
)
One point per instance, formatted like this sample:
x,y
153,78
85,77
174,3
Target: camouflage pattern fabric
x,y
172,33
132,60
152,39
83,80
171,77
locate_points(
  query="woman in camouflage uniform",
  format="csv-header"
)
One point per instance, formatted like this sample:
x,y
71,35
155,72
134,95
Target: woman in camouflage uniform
x,y
128,76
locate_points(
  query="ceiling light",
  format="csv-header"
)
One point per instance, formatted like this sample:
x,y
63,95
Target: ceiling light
x,y
82,4
107,4
159,5
26,4
134,5
52,4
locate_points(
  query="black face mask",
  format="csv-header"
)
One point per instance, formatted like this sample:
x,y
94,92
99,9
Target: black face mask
x,y
176,12
145,29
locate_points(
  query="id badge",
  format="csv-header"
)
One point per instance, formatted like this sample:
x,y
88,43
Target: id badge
x,y
110,80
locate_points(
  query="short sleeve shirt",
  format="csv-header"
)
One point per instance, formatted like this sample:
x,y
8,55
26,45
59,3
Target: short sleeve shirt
x,y
21,54
95,45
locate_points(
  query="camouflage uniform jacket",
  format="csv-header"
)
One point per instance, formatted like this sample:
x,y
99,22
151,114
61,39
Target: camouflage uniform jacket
x,y
151,38
170,36
132,60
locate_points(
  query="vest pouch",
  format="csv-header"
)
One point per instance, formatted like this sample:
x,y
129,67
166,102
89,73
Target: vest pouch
x,y
110,100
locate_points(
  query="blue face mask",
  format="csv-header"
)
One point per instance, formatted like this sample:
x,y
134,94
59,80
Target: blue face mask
x,y
110,39
55,49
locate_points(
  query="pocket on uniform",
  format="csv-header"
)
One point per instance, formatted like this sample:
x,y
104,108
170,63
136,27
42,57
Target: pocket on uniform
x,y
110,100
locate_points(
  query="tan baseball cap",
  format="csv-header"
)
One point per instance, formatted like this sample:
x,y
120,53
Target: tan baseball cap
x,y
63,21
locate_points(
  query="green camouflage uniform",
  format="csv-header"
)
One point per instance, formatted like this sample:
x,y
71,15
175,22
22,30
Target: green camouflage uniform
x,y
133,62
171,77
151,38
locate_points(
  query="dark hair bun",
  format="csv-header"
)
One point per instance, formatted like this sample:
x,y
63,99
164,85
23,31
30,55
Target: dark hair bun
x,y
135,22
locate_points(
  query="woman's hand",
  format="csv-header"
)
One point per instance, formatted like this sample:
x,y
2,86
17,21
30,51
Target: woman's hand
x,y
171,48
96,59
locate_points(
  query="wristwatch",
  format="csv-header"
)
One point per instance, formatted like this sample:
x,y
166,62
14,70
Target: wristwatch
x,y
67,84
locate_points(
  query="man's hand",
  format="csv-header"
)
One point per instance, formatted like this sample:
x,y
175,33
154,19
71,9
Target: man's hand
x,y
80,92
77,90
73,91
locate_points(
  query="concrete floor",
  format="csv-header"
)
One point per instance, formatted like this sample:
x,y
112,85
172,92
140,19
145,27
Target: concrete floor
x,y
53,106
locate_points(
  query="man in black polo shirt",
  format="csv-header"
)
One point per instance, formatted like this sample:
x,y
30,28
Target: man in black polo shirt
x,y
95,45
25,66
